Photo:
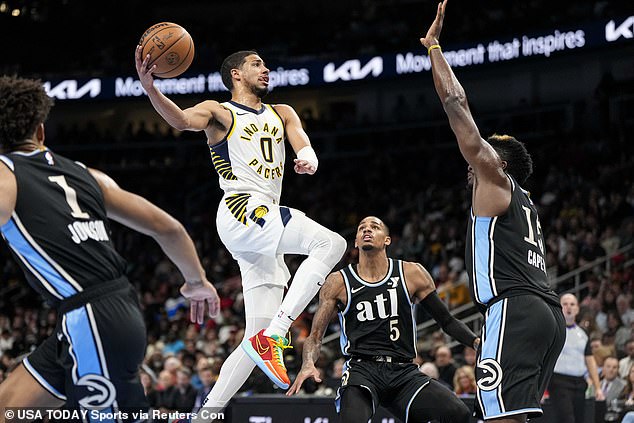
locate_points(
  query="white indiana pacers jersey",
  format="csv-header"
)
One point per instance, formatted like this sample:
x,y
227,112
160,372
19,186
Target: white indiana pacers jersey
x,y
251,157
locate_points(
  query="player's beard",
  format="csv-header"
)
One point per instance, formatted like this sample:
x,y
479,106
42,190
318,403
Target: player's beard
x,y
260,92
367,247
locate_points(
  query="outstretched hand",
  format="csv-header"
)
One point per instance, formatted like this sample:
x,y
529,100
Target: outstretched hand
x,y
303,166
198,293
304,373
433,33
145,74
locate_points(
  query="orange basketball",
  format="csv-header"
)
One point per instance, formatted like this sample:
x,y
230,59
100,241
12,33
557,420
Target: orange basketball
x,y
170,47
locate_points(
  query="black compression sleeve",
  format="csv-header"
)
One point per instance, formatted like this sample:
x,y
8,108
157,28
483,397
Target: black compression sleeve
x,y
447,322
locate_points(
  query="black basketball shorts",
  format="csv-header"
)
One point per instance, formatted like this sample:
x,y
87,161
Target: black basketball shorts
x,y
392,385
521,340
92,359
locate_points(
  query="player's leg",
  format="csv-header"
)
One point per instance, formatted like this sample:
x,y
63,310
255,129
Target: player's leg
x,y
324,249
355,405
418,398
23,389
39,381
260,304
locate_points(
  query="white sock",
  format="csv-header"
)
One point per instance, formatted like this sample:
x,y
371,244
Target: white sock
x,y
259,301
307,281
234,372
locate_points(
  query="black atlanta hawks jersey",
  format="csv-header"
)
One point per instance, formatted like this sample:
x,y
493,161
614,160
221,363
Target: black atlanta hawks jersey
x,y
59,231
378,317
505,255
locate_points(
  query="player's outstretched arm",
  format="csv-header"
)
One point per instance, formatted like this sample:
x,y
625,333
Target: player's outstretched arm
x,y
478,153
306,161
196,118
421,286
332,291
141,215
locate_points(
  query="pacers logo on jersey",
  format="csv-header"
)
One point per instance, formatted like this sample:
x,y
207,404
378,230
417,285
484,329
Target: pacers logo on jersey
x,y
258,214
488,374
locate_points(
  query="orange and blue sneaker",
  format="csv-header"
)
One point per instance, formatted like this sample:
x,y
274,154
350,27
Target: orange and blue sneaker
x,y
267,353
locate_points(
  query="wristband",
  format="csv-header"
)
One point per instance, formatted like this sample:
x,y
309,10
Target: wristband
x,y
433,47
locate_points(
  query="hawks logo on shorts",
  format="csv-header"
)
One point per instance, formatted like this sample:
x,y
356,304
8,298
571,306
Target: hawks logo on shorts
x,y
488,374
101,393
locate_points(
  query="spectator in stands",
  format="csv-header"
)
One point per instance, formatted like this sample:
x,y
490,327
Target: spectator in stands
x,y
207,377
619,333
444,363
627,362
624,308
590,249
464,382
333,380
6,341
469,357
611,384
627,396
153,396
601,353
587,322
182,395
610,241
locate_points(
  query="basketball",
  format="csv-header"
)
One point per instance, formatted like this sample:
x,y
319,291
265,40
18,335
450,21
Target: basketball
x,y
170,47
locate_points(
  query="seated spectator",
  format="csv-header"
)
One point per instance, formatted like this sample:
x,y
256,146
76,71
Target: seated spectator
x,y
181,396
624,308
445,365
464,382
601,353
617,331
153,396
611,384
627,396
627,362
469,357
208,378
172,364
333,380
590,249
